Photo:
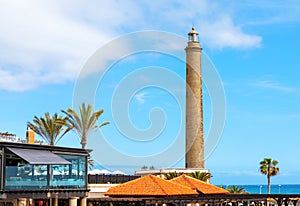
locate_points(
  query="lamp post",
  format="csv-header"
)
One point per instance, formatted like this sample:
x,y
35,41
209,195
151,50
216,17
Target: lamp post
x,y
260,189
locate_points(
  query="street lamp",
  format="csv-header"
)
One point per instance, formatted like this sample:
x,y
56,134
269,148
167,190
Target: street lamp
x,y
260,189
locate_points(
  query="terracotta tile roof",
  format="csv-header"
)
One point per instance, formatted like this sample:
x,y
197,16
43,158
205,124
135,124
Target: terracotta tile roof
x,y
198,185
150,185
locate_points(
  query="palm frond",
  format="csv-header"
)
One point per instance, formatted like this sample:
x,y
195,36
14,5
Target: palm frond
x,y
203,176
50,128
268,167
83,122
234,189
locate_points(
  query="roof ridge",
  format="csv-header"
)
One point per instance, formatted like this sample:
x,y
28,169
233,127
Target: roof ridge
x,y
190,183
150,185
193,178
126,183
196,182
155,180
180,185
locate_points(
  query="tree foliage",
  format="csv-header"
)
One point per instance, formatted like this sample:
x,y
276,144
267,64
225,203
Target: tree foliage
x,y
48,128
172,175
90,162
144,167
268,167
203,176
83,122
234,189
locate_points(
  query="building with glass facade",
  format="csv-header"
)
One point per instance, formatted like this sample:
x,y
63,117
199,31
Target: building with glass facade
x,y
42,175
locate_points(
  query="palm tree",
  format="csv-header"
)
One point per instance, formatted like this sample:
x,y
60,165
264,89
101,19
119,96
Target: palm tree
x,y
84,122
203,176
234,189
90,162
48,129
144,167
268,167
172,175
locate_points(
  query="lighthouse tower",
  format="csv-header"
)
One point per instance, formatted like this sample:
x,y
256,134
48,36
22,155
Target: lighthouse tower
x,y
194,157
194,154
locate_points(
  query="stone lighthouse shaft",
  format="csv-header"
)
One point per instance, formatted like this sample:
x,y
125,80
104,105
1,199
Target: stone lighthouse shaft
x,y
194,157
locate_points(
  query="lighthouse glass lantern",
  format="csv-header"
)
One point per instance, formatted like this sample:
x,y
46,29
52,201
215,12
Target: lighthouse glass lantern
x,y
193,35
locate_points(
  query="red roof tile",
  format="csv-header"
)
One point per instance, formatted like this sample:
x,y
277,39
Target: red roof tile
x,y
200,186
150,185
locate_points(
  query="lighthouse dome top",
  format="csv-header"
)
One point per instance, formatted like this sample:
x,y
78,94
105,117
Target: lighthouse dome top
x,y
193,35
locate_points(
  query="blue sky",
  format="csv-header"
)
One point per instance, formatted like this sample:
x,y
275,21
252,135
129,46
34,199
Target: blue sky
x,y
44,46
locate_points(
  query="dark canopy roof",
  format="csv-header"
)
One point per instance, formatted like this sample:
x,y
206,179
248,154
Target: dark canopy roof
x,y
39,157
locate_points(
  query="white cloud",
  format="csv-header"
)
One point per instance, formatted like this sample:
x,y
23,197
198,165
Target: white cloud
x,y
140,97
270,84
215,26
224,33
38,45
239,173
44,42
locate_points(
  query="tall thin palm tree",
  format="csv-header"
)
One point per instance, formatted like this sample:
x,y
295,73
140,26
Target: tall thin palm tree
x,y
268,167
48,129
84,122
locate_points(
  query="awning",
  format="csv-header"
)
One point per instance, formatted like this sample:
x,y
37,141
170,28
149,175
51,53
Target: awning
x,y
39,157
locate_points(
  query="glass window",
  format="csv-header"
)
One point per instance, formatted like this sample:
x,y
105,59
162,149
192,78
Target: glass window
x,y
20,175
0,169
23,176
69,176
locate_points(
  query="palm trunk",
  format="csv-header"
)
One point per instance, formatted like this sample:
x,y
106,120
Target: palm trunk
x,y
269,184
83,141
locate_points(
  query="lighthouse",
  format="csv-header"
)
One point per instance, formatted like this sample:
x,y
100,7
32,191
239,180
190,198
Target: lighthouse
x,y
194,134
194,155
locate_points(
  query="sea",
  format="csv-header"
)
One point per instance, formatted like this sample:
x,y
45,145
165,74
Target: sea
x,y
275,189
